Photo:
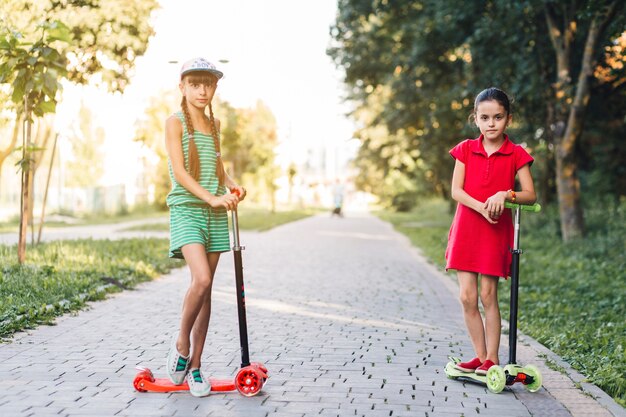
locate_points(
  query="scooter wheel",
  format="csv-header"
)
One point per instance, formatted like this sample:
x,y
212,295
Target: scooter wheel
x,y
532,370
249,381
496,380
138,383
143,375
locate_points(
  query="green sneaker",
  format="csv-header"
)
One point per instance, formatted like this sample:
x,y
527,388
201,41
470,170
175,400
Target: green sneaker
x,y
199,386
177,365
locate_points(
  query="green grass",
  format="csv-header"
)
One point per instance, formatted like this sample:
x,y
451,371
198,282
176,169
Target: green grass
x,y
572,296
61,276
250,218
12,225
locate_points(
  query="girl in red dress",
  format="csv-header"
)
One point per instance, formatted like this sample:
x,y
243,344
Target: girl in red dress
x,y
481,234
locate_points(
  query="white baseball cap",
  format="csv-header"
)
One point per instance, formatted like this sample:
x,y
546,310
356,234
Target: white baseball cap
x,y
200,64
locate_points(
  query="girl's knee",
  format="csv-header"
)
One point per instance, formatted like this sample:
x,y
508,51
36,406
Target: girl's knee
x,y
489,296
469,300
202,283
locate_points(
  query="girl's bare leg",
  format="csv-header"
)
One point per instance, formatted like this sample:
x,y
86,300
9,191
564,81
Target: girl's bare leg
x,y
489,299
201,326
201,282
468,286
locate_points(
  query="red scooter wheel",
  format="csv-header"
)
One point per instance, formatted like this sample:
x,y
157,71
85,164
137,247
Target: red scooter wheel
x,y
249,381
143,375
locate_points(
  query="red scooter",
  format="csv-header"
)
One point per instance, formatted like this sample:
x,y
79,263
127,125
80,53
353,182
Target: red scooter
x,y
251,377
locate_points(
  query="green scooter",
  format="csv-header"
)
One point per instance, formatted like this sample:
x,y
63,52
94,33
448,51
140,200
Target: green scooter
x,y
497,377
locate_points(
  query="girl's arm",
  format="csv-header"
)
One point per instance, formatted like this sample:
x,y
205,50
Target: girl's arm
x,y
527,194
174,147
495,203
459,194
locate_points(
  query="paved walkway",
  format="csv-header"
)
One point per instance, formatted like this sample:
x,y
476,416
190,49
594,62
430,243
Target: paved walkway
x,y
347,317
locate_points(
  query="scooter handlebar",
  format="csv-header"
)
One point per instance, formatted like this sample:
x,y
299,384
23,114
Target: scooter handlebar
x,y
535,208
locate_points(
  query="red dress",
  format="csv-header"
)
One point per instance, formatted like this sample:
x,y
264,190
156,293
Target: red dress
x,y
474,244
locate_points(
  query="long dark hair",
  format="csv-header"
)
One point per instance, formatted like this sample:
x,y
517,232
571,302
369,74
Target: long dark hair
x,y
194,159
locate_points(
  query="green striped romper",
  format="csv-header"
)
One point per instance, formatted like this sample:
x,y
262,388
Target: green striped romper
x,y
191,219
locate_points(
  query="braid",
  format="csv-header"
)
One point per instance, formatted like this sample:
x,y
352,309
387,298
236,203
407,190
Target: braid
x,y
194,159
219,166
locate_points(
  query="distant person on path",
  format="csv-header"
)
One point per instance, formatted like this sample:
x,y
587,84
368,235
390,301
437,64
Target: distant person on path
x,y
338,192
198,204
481,234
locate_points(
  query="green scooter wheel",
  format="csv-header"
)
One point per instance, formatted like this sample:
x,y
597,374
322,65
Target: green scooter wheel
x,y
532,370
496,380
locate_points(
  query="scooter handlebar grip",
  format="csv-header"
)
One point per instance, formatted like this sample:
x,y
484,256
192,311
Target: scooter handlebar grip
x,y
236,192
535,208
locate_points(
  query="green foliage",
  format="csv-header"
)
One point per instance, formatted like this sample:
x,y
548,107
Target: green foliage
x,y
260,219
248,135
86,168
413,68
150,132
34,69
62,276
250,218
572,296
106,36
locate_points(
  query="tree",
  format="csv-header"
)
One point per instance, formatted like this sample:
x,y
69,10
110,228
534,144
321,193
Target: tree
x,y
405,70
33,70
10,126
570,26
36,56
85,169
150,131
430,58
248,138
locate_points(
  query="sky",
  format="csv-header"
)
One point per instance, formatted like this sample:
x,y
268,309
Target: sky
x,y
275,52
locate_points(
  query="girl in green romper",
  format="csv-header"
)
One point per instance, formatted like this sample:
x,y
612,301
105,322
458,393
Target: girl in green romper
x,y
198,204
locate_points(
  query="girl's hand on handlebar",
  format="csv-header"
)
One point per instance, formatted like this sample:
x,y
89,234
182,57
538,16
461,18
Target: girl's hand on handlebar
x,y
495,205
239,191
485,213
227,201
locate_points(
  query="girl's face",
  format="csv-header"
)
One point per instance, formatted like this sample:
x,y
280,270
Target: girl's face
x,y
198,90
492,119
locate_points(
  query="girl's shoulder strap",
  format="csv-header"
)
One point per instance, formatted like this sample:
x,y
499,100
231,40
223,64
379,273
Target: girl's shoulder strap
x,y
179,114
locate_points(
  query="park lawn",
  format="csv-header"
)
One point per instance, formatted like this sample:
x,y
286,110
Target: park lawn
x,y
572,296
12,225
62,276
250,218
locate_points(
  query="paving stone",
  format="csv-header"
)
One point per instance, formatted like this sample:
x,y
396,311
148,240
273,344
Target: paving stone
x,y
348,318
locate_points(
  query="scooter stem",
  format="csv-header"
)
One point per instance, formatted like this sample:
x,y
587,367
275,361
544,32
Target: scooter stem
x,y
241,294
516,252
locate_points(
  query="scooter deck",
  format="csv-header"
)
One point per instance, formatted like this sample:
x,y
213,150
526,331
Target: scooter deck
x,y
165,385
453,373
146,382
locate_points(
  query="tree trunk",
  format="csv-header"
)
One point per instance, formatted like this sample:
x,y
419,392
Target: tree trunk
x,y
45,195
568,188
40,142
568,185
21,245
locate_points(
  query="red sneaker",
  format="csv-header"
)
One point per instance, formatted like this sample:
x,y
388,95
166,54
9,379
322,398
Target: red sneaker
x,y
482,369
468,366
